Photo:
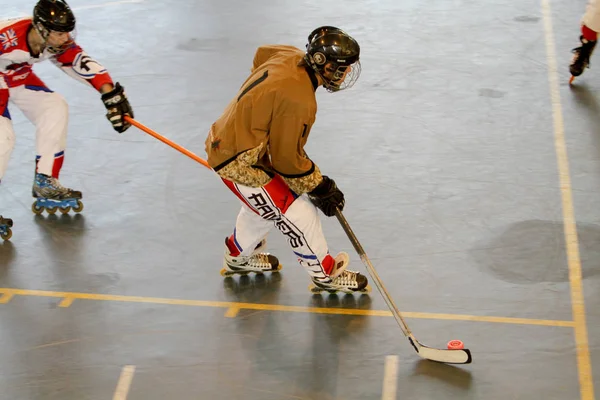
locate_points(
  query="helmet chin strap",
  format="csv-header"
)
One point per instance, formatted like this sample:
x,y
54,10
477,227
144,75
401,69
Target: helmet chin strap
x,y
58,50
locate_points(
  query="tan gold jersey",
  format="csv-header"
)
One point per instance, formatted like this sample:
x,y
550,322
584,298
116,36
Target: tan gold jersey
x,y
264,128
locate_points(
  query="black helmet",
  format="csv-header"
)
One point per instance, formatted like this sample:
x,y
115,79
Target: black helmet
x,y
53,15
322,30
330,51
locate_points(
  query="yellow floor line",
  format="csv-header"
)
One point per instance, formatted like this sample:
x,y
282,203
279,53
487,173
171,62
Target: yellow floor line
x,y
584,365
66,302
233,308
6,297
232,312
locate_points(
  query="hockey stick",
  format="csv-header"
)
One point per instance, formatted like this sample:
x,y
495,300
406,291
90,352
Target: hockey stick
x,y
462,356
167,141
448,356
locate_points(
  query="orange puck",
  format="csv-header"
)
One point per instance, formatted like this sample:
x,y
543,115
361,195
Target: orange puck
x,y
455,345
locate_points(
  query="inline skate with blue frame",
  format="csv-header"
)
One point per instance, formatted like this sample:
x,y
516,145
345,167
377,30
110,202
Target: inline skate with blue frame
x,y
51,196
5,225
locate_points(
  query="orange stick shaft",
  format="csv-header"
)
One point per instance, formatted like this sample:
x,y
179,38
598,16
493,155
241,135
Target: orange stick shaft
x,y
167,141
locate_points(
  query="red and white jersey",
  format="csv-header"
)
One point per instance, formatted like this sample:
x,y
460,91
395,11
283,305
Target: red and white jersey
x,y
16,60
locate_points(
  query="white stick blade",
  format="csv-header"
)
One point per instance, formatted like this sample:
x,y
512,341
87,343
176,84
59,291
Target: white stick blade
x,y
445,355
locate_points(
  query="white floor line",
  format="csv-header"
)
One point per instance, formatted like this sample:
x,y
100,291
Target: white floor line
x,y
124,384
390,378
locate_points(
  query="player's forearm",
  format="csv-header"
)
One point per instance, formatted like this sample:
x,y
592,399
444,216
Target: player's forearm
x,y
107,87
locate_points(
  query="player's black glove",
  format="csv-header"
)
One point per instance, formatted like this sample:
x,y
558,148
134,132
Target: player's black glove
x,y
327,197
117,107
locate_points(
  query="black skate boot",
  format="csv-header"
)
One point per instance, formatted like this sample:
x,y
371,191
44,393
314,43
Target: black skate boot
x,y
258,262
581,57
51,196
342,280
5,225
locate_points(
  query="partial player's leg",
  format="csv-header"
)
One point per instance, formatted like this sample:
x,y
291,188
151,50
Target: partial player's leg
x,y
297,219
48,111
7,144
590,26
327,273
582,54
245,248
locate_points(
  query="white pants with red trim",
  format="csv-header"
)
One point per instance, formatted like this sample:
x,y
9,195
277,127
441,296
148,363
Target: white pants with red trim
x,y
48,111
275,205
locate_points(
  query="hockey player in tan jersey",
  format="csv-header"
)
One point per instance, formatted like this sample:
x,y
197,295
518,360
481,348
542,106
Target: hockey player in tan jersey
x,y
257,148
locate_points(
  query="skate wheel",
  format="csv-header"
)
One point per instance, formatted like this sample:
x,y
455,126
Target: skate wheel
x,y
51,210
6,235
36,210
314,289
79,207
274,270
65,210
226,273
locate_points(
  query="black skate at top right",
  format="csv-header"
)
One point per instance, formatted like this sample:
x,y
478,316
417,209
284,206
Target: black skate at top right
x,y
581,57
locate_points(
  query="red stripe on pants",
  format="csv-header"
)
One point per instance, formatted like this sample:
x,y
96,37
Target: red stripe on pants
x,y
277,189
57,166
35,80
589,34
4,94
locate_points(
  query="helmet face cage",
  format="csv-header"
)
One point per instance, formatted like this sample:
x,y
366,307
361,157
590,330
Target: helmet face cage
x,y
334,56
64,46
344,79
45,33
54,16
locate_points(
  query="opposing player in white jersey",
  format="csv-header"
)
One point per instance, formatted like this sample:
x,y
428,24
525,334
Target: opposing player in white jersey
x,y
48,35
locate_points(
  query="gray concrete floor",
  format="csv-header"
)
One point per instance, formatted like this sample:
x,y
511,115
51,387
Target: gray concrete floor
x,y
445,150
